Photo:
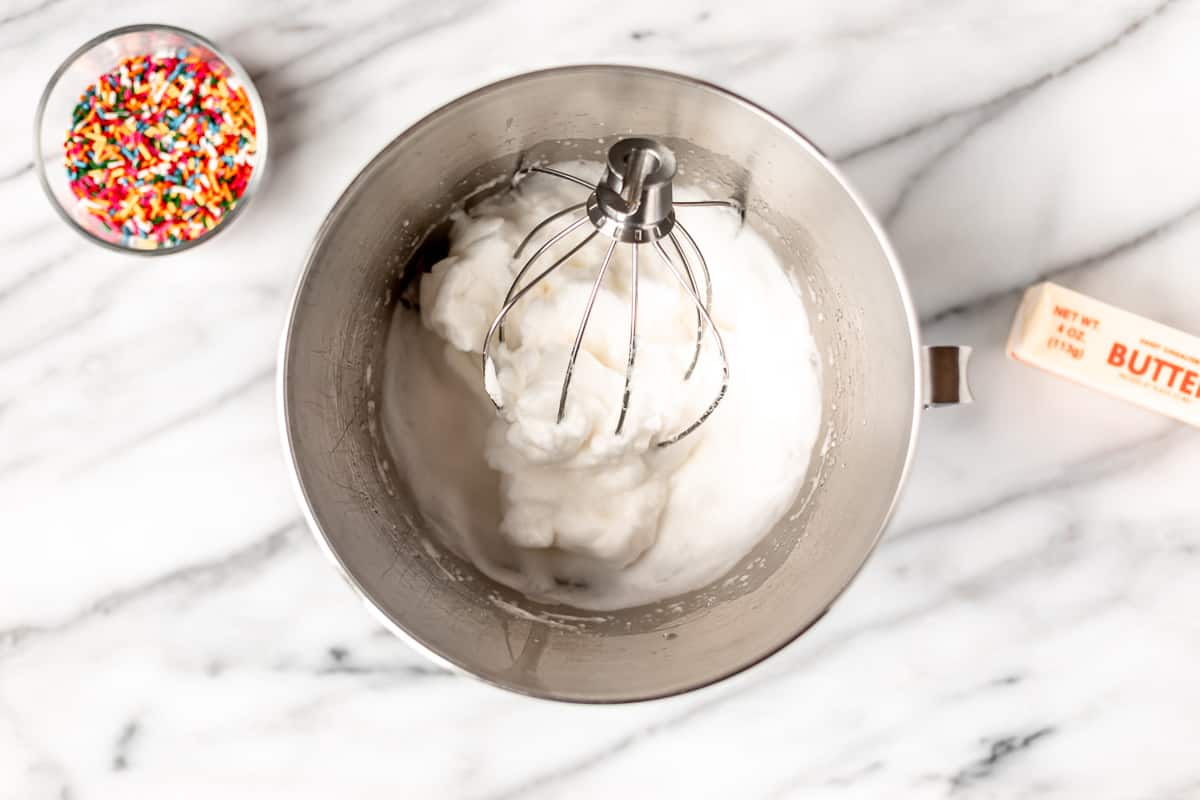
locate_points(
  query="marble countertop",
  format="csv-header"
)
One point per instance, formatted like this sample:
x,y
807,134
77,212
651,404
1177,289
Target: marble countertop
x,y
1030,625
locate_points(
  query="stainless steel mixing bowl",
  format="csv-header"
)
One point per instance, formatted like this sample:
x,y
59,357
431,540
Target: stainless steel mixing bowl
x,y
361,505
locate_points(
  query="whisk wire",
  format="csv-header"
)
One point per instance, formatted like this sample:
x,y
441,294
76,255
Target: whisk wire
x,y
708,287
587,315
699,203
564,175
541,225
687,268
633,315
488,368
553,240
666,259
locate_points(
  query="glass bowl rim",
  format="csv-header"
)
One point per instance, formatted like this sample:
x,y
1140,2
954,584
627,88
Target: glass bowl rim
x,y
40,163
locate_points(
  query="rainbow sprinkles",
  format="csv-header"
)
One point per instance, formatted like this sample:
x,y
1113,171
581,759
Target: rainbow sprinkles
x,y
161,148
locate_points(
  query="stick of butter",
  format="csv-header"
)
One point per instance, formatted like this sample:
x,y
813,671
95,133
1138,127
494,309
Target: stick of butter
x,y
1106,348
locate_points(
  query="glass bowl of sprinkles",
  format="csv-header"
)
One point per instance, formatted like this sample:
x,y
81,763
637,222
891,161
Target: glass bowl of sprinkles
x,y
149,139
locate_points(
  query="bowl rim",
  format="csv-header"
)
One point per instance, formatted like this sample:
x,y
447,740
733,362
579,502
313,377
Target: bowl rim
x,y
308,510
41,164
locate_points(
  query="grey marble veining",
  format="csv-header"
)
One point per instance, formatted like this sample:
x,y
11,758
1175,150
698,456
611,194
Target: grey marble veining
x,y
1029,626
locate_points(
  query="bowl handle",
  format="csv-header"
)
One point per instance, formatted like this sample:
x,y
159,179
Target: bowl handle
x,y
945,375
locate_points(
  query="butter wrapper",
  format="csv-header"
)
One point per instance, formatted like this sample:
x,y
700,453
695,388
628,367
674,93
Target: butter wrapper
x,y
1109,349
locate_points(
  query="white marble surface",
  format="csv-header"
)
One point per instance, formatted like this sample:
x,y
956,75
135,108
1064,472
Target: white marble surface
x,y
1029,627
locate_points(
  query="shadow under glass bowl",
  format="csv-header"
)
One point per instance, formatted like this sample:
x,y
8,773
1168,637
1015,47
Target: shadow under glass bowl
x,y
83,68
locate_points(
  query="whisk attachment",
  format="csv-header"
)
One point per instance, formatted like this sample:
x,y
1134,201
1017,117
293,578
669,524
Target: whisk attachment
x,y
632,205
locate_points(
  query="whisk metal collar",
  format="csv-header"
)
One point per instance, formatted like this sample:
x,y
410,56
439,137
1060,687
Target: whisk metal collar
x,y
632,202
